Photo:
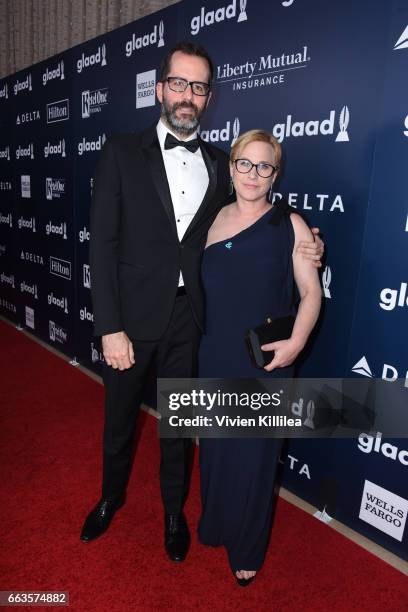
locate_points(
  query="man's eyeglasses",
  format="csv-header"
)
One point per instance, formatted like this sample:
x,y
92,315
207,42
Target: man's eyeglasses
x,y
179,85
263,169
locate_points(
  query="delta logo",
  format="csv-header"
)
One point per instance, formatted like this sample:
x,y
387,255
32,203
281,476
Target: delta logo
x,y
389,372
402,42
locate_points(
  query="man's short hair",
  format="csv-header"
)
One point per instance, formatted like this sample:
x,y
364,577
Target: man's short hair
x,y
188,48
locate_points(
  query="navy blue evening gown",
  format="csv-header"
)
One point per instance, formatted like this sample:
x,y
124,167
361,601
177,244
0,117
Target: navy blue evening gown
x,y
246,278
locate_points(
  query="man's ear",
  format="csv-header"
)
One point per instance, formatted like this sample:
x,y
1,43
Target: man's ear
x,y
208,99
159,91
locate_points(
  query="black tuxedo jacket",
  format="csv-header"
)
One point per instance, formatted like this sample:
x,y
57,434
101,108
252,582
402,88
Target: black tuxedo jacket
x,y
135,253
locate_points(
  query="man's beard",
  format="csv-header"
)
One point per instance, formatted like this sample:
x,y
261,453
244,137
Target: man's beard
x,y
184,127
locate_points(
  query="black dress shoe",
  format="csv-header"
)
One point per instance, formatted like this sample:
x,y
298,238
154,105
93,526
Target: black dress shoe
x,y
176,536
99,519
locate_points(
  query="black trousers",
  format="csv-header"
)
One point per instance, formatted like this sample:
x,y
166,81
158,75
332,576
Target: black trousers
x,y
175,355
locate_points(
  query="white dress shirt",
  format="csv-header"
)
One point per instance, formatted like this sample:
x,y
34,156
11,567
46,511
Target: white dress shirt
x,y
188,180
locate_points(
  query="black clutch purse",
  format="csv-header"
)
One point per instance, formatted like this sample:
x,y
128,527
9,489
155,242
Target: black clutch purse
x,y
270,331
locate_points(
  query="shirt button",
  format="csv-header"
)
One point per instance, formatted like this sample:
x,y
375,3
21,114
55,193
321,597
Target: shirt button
x,y
178,220
182,192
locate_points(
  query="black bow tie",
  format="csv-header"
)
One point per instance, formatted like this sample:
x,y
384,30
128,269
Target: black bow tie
x,y
171,142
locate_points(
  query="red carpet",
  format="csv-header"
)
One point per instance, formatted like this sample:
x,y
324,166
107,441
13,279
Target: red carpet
x,y
51,424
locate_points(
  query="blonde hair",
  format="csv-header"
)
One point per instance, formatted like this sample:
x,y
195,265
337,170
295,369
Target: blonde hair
x,y
256,136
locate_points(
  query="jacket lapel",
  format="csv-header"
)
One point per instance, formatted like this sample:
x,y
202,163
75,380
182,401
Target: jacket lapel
x,y
155,163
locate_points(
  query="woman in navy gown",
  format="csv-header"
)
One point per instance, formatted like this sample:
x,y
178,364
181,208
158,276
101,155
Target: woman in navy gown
x,y
250,271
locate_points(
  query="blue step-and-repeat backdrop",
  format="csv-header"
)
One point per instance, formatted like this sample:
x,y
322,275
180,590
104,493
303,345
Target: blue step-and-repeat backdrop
x,y
329,80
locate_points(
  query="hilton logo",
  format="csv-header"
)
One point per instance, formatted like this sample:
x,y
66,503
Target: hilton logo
x,y
136,43
60,267
58,111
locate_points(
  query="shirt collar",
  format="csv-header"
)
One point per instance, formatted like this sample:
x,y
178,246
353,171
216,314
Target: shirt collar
x,y
162,133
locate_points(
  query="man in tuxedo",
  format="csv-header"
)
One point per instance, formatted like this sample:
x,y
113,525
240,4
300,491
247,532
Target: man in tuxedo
x,y
155,195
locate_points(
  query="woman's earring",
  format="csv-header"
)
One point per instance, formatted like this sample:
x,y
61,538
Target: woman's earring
x,y
270,194
231,186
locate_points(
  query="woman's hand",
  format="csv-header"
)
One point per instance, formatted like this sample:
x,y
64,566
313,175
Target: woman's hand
x,y
286,352
312,251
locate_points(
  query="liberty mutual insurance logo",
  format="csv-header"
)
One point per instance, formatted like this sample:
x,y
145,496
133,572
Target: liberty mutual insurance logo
x,y
138,42
209,18
402,42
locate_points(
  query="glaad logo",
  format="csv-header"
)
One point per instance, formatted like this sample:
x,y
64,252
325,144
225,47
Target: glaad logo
x,y
85,315
25,186
297,410
92,101
368,443
7,280
58,111
29,317
326,280
384,510
54,188
91,60
60,267
31,257
25,151
31,289
86,276
224,134
28,117
208,18
23,85
389,372
6,219
318,201
59,302
136,43
57,333
146,89
84,235
406,125
402,42
314,127
85,146
4,91
287,3
389,297
27,224
57,73
55,149
58,230
96,356
5,153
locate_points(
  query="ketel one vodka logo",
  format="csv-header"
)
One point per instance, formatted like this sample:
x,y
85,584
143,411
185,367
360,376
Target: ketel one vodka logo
x,y
54,188
138,42
324,127
61,302
6,219
31,289
56,230
27,224
4,92
56,73
208,18
58,111
99,57
93,101
223,135
25,85
86,274
33,115
57,333
86,146
60,267
7,280
5,153
27,151
55,149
